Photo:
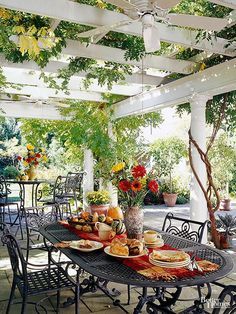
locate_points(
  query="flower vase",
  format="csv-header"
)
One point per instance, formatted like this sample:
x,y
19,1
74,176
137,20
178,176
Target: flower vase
x,y
133,219
32,173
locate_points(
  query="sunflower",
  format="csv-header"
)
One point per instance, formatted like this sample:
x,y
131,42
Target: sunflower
x,y
136,186
118,167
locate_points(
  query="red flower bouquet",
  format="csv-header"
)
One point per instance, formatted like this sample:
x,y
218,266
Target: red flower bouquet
x,y
133,183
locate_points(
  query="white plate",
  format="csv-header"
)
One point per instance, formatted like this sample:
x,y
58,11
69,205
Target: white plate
x,y
158,243
96,246
169,264
107,251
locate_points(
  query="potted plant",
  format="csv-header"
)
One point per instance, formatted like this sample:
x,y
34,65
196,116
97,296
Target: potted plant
x,y
166,154
226,226
169,193
11,172
31,160
98,201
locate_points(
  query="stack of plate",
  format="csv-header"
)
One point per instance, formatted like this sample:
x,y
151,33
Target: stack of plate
x,y
169,259
158,243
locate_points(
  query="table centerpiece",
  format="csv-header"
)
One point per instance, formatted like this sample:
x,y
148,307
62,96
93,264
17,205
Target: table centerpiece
x,y
30,161
133,184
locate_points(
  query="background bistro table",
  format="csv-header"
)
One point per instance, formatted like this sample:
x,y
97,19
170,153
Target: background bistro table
x,y
34,186
103,266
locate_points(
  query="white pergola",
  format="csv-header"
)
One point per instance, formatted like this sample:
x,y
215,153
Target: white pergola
x,y
148,89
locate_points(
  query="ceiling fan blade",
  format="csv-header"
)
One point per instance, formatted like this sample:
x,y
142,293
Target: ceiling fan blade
x,y
198,22
104,29
126,5
151,39
166,4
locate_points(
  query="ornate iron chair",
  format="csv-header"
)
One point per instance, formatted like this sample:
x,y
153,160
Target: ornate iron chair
x,y
188,229
39,282
63,205
40,216
228,294
73,186
6,204
185,230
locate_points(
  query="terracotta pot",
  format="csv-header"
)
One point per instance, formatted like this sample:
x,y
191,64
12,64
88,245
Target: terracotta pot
x,y
133,219
225,204
100,209
224,240
32,173
170,199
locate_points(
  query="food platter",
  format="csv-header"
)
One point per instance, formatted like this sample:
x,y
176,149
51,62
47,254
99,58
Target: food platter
x,y
107,251
95,246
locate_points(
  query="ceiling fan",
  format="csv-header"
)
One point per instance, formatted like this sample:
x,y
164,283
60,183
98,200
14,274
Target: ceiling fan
x,y
149,12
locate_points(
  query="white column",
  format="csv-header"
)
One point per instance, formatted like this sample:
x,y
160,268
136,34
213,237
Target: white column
x,y
111,188
198,205
88,182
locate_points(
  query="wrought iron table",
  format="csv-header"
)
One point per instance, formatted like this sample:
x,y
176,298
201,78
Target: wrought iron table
x,y
35,186
100,265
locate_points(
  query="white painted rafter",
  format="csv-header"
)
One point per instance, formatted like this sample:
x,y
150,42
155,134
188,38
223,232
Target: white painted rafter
x,y
42,93
99,52
212,81
92,16
30,110
53,67
20,76
226,3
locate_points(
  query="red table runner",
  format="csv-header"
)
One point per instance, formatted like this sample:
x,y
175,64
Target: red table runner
x,y
141,263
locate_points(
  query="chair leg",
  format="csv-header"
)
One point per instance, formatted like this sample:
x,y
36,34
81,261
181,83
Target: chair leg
x,y
128,291
13,287
58,301
24,303
77,292
9,213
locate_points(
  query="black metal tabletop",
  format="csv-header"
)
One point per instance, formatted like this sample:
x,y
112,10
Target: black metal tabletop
x,y
28,182
99,264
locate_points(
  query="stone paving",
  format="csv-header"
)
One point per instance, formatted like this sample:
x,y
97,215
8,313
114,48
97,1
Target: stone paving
x,y
98,302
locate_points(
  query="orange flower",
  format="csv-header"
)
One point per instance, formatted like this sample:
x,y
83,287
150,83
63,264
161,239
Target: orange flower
x,y
136,186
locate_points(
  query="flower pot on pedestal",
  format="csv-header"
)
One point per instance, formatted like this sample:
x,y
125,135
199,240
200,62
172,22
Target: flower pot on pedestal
x,y
225,204
170,199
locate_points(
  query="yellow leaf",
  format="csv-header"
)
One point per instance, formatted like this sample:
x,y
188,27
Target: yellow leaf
x,y
19,29
101,4
43,31
202,67
23,44
4,14
32,30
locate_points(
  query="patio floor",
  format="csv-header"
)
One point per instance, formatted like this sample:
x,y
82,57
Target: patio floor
x,y
98,302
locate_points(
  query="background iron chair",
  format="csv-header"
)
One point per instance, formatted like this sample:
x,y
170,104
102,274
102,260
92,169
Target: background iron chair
x,y
34,220
6,204
39,282
187,229
57,199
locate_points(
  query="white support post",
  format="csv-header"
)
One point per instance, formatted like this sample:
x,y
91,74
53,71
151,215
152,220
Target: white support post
x,y
111,188
88,182
198,205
